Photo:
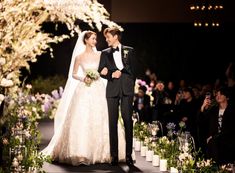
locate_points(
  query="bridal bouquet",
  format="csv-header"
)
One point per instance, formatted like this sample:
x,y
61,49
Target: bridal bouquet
x,y
92,75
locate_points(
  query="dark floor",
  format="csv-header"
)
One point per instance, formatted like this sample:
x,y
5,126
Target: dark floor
x,y
141,165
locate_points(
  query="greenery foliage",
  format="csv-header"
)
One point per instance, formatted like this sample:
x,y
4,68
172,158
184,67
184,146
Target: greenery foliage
x,y
47,84
21,138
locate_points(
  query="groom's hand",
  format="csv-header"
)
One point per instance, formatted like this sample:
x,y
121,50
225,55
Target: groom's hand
x,y
116,74
104,71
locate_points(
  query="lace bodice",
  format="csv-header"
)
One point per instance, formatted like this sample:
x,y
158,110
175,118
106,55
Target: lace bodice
x,y
86,63
89,64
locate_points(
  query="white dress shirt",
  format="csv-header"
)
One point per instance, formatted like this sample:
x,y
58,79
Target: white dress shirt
x,y
117,56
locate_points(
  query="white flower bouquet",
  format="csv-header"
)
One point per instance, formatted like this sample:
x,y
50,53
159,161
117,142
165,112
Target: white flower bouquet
x,y
91,75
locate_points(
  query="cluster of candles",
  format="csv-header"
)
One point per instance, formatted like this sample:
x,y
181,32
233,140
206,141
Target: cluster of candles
x,y
207,13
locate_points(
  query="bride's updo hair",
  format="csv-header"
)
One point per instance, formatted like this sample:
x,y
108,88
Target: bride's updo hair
x,y
87,35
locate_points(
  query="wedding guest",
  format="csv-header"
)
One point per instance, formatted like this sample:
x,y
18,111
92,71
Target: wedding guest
x,y
187,111
159,94
221,119
142,105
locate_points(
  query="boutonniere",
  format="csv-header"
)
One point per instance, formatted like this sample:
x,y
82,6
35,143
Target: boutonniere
x,y
125,52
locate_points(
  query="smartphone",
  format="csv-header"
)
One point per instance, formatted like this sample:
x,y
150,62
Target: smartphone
x,y
208,95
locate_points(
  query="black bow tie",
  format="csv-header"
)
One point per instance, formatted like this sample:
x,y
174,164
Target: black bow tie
x,y
114,49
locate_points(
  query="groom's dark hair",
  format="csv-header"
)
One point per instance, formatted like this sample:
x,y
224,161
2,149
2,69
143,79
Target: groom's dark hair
x,y
113,31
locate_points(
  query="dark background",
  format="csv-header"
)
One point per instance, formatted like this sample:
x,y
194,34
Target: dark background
x,y
164,37
172,50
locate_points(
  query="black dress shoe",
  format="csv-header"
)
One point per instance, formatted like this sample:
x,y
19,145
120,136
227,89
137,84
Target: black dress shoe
x,y
114,161
129,161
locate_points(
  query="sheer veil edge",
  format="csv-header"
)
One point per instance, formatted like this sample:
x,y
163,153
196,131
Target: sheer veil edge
x,y
68,92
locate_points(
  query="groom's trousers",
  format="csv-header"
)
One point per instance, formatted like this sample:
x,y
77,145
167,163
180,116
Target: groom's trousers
x,y
126,108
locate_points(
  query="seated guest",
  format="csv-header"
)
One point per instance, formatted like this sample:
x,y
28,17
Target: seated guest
x,y
187,111
159,94
142,105
221,127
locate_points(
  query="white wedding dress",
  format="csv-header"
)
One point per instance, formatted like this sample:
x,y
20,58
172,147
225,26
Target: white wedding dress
x,y
84,136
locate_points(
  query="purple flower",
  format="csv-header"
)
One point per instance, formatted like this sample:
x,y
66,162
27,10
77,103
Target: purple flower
x,y
47,106
170,126
55,94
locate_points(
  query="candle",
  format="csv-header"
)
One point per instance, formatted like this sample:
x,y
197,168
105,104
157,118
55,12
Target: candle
x,y
133,145
163,165
173,170
149,155
143,151
137,145
155,161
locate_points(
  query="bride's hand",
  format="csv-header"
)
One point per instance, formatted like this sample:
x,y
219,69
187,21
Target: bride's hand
x,y
104,71
87,80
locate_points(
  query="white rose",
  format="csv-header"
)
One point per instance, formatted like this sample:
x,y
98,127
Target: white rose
x,y
6,83
34,109
27,134
10,75
2,61
1,98
28,86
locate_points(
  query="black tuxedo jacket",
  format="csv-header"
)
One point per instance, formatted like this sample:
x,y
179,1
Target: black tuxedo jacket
x,y
125,84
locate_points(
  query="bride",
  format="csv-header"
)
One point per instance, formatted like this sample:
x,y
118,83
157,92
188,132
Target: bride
x,y
81,132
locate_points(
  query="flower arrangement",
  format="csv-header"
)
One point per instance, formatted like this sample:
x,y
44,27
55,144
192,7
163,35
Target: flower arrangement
x,y
206,166
171,130
141,131
21,139
186,162
92,75
49,103
166,148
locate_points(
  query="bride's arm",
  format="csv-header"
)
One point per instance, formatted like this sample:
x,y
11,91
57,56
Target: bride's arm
x,y
75,70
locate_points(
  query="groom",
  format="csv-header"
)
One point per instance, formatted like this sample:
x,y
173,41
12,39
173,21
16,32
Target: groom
x,y
118,60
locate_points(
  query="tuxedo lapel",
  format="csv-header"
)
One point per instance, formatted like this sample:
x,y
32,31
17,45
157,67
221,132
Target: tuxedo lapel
x,y
110,58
